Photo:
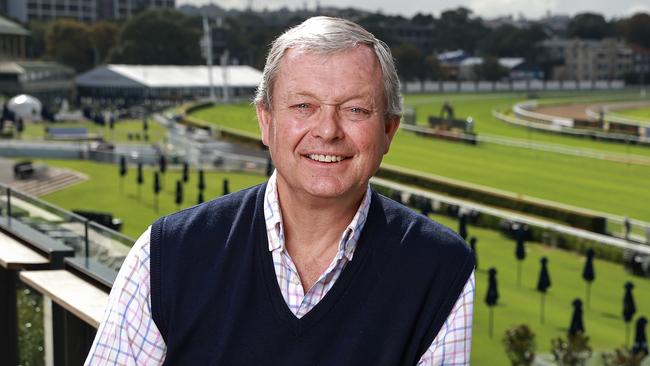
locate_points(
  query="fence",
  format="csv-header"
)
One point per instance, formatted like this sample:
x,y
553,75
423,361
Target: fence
x,y
510,86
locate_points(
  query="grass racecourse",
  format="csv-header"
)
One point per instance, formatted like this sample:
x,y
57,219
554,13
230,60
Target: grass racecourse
x,y
643,113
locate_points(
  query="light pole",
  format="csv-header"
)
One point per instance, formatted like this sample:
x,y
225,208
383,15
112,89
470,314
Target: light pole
x,y
207,50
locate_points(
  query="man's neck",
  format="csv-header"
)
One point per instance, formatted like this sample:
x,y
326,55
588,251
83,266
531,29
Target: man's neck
x,y
313,229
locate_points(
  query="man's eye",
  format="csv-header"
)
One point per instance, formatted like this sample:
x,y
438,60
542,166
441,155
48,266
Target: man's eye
x,y
302,106
357,110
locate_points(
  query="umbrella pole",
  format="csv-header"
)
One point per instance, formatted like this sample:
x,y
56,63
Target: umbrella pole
x,y
519,273
542,307
588,293
491,325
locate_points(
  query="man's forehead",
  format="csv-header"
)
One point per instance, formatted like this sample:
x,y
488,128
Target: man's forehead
x,y
293,55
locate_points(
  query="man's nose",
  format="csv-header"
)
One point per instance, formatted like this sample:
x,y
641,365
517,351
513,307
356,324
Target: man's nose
x,y
328,124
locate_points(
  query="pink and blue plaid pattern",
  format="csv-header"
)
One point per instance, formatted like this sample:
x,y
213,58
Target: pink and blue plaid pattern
x,y
129,336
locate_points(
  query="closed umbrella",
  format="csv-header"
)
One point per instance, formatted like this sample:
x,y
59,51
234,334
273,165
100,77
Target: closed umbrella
x,y
462,225
640,340
588,273
629,308
186,172
472,245
577,325
520,249
492,295
226,186
543,283
179,194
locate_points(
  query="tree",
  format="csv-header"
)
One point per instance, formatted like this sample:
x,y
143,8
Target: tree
x,y
510,41
158,37
519,343
589,26
636,29
68,42
456,29
35,43
491,70
410,61
103,36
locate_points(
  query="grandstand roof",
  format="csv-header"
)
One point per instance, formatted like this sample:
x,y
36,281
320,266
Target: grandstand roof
x,y
153,76
9,27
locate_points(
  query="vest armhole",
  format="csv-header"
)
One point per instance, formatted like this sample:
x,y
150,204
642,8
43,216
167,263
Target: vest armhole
x,y
463,274
157,311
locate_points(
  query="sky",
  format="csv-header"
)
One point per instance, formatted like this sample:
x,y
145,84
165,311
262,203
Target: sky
x,y
484,8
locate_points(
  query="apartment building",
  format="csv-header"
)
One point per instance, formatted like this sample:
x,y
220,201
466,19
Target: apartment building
x,y
604,59
83,10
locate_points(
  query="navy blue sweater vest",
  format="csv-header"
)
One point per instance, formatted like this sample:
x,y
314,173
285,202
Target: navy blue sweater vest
x,y
216,300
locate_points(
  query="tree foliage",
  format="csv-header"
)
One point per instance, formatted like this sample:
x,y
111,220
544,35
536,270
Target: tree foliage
x,y
519,342
103,35
68,42
636,29
589,26
490,69
457,29
158,37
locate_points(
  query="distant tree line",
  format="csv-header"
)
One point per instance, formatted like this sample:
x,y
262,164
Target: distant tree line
x,y
170,37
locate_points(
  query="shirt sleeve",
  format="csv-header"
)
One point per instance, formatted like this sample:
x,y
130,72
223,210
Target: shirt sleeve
x,y
128,335
453,343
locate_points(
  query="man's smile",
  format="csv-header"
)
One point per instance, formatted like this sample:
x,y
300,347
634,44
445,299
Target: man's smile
x,y
326,158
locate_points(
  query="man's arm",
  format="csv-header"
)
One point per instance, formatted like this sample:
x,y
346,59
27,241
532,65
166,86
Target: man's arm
x,y
453,343
128,335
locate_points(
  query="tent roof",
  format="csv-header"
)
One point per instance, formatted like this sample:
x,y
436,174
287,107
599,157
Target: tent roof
x,y
154,76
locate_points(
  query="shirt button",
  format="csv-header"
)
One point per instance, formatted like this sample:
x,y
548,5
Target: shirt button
x,y
295,280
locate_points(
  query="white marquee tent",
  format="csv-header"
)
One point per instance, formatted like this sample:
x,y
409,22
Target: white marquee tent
x,y
166,81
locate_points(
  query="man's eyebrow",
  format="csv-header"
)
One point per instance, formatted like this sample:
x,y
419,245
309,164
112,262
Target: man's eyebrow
x,y
365,98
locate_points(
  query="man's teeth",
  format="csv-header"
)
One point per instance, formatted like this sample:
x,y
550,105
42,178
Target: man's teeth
x,y
325,158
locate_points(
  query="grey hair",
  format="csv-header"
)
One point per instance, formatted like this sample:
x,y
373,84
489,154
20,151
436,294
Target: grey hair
x,y
330,35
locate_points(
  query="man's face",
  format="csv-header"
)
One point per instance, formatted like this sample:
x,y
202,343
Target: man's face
x,y
326,129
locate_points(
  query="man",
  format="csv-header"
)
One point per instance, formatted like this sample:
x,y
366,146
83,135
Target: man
x,y
312,267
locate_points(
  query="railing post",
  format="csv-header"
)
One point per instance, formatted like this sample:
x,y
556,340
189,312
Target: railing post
x,y
8,318
86,243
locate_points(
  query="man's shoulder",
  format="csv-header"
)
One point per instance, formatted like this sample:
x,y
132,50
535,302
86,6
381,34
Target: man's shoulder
x,y
420,233
215,212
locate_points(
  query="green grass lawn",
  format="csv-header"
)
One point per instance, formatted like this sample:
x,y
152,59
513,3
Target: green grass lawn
x,y
102,192
521,305
155,131
516,305
596,184
643,113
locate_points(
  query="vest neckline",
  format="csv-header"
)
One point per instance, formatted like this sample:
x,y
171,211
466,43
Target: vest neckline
x,y
331,298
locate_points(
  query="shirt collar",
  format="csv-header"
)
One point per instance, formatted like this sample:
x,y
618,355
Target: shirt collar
x,y
275,228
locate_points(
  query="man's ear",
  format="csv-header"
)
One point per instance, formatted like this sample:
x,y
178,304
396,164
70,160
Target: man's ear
x,y
264,121
391,126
